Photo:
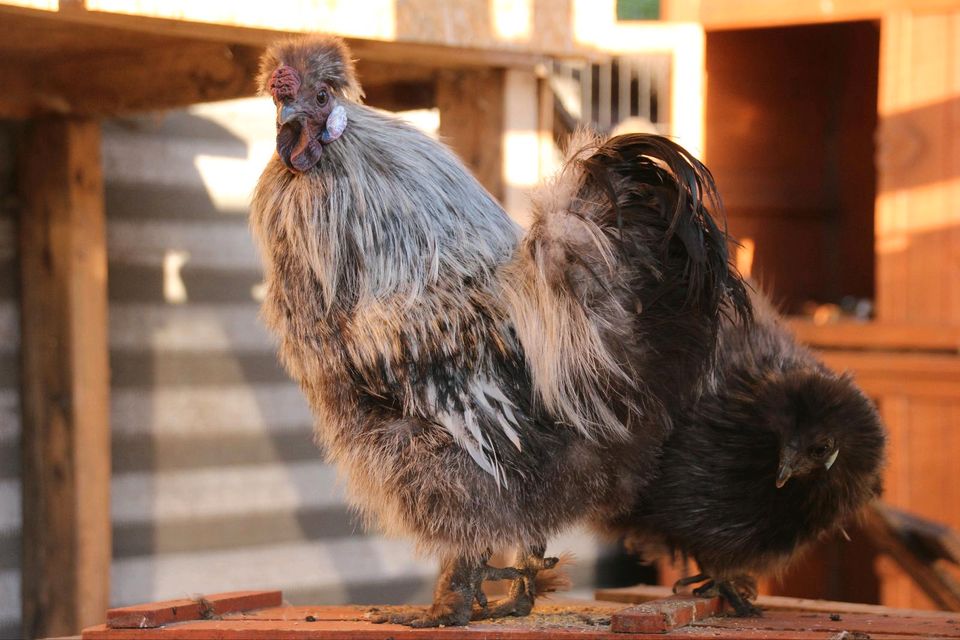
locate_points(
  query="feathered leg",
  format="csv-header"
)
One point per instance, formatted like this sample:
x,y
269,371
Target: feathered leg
x,y
453,596
524,588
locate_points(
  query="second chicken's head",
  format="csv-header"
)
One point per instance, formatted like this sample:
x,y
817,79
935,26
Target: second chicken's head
x,y
310,81
825,426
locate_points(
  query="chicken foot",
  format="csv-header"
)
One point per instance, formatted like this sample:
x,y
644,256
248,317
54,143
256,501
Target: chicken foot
x,y
737,592
460,584
523,589
453,597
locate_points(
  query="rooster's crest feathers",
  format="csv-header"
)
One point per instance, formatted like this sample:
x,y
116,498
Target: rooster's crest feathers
x,y
316,59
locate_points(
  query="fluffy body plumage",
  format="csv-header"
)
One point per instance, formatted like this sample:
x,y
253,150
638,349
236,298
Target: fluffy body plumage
x,y
778,453
477,387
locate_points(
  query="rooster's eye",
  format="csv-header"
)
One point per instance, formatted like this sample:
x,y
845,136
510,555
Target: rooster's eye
x,y
820,450
323,97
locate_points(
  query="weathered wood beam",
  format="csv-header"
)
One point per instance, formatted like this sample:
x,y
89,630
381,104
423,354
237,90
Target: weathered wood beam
x,y
877,335
65,379
471,104
109,83
401,96
742,14
425,50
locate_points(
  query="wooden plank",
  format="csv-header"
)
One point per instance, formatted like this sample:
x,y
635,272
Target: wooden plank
x,y
577,622
851,624
548,610
177,73
668,614
914,374
877,335
741,14
645,593
146,616
65,379
429,51
471,105
156,614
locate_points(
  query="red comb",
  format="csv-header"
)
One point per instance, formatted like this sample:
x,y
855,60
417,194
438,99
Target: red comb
x,y
285,82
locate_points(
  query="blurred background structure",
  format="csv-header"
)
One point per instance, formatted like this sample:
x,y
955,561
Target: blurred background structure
x,y
151,446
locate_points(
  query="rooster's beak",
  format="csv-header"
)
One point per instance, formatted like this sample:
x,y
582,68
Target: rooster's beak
x,y
286,114
788,459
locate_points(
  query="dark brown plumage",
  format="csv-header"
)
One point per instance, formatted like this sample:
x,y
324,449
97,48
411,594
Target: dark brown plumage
x,y
779,452
480,388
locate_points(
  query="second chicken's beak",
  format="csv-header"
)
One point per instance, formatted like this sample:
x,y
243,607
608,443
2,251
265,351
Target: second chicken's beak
x,y
788,460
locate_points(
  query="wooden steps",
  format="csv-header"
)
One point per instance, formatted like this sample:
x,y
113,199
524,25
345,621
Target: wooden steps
x,y
256,615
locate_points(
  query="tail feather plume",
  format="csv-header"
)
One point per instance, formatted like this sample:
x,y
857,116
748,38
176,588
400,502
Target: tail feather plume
x,y
621,282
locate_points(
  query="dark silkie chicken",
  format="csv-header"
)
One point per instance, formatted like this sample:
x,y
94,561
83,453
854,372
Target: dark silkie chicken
x,y
478,386
779,452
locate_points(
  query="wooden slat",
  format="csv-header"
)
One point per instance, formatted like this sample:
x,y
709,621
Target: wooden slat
x,y
65,379
587,621
432,49
877,335
740,14
645,593
846,626
882,373
177,73
156,614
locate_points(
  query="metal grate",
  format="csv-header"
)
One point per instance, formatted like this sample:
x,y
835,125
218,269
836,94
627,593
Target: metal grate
x,y
603,96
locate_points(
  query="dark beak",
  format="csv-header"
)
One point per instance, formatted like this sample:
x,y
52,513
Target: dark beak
x,y
788,460
286,114
298,138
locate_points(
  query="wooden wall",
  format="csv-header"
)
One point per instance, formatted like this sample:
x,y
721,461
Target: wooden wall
x,y
790,116
10,519
918,207
918,260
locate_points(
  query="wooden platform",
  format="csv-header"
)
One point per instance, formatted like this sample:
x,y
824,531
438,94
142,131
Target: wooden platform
x,y
637,612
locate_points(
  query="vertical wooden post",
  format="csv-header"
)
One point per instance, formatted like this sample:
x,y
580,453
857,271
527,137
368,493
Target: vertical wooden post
x,y
522,142
471,121
65,379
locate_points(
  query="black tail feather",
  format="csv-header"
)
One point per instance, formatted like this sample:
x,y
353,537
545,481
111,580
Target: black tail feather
x,y
638,169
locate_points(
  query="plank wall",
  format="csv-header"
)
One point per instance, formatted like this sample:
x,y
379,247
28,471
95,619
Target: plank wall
x,y
791,114
918,260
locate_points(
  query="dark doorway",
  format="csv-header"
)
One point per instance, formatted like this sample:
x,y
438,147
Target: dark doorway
x,y
790,121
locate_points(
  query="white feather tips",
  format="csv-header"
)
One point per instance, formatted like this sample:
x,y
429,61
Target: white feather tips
x,y
483,403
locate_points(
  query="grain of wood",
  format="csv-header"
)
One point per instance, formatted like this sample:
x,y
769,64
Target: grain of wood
x,y
65,379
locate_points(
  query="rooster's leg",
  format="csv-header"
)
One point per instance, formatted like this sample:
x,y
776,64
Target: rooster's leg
x,y
689,580
523,590
736,591
453,596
